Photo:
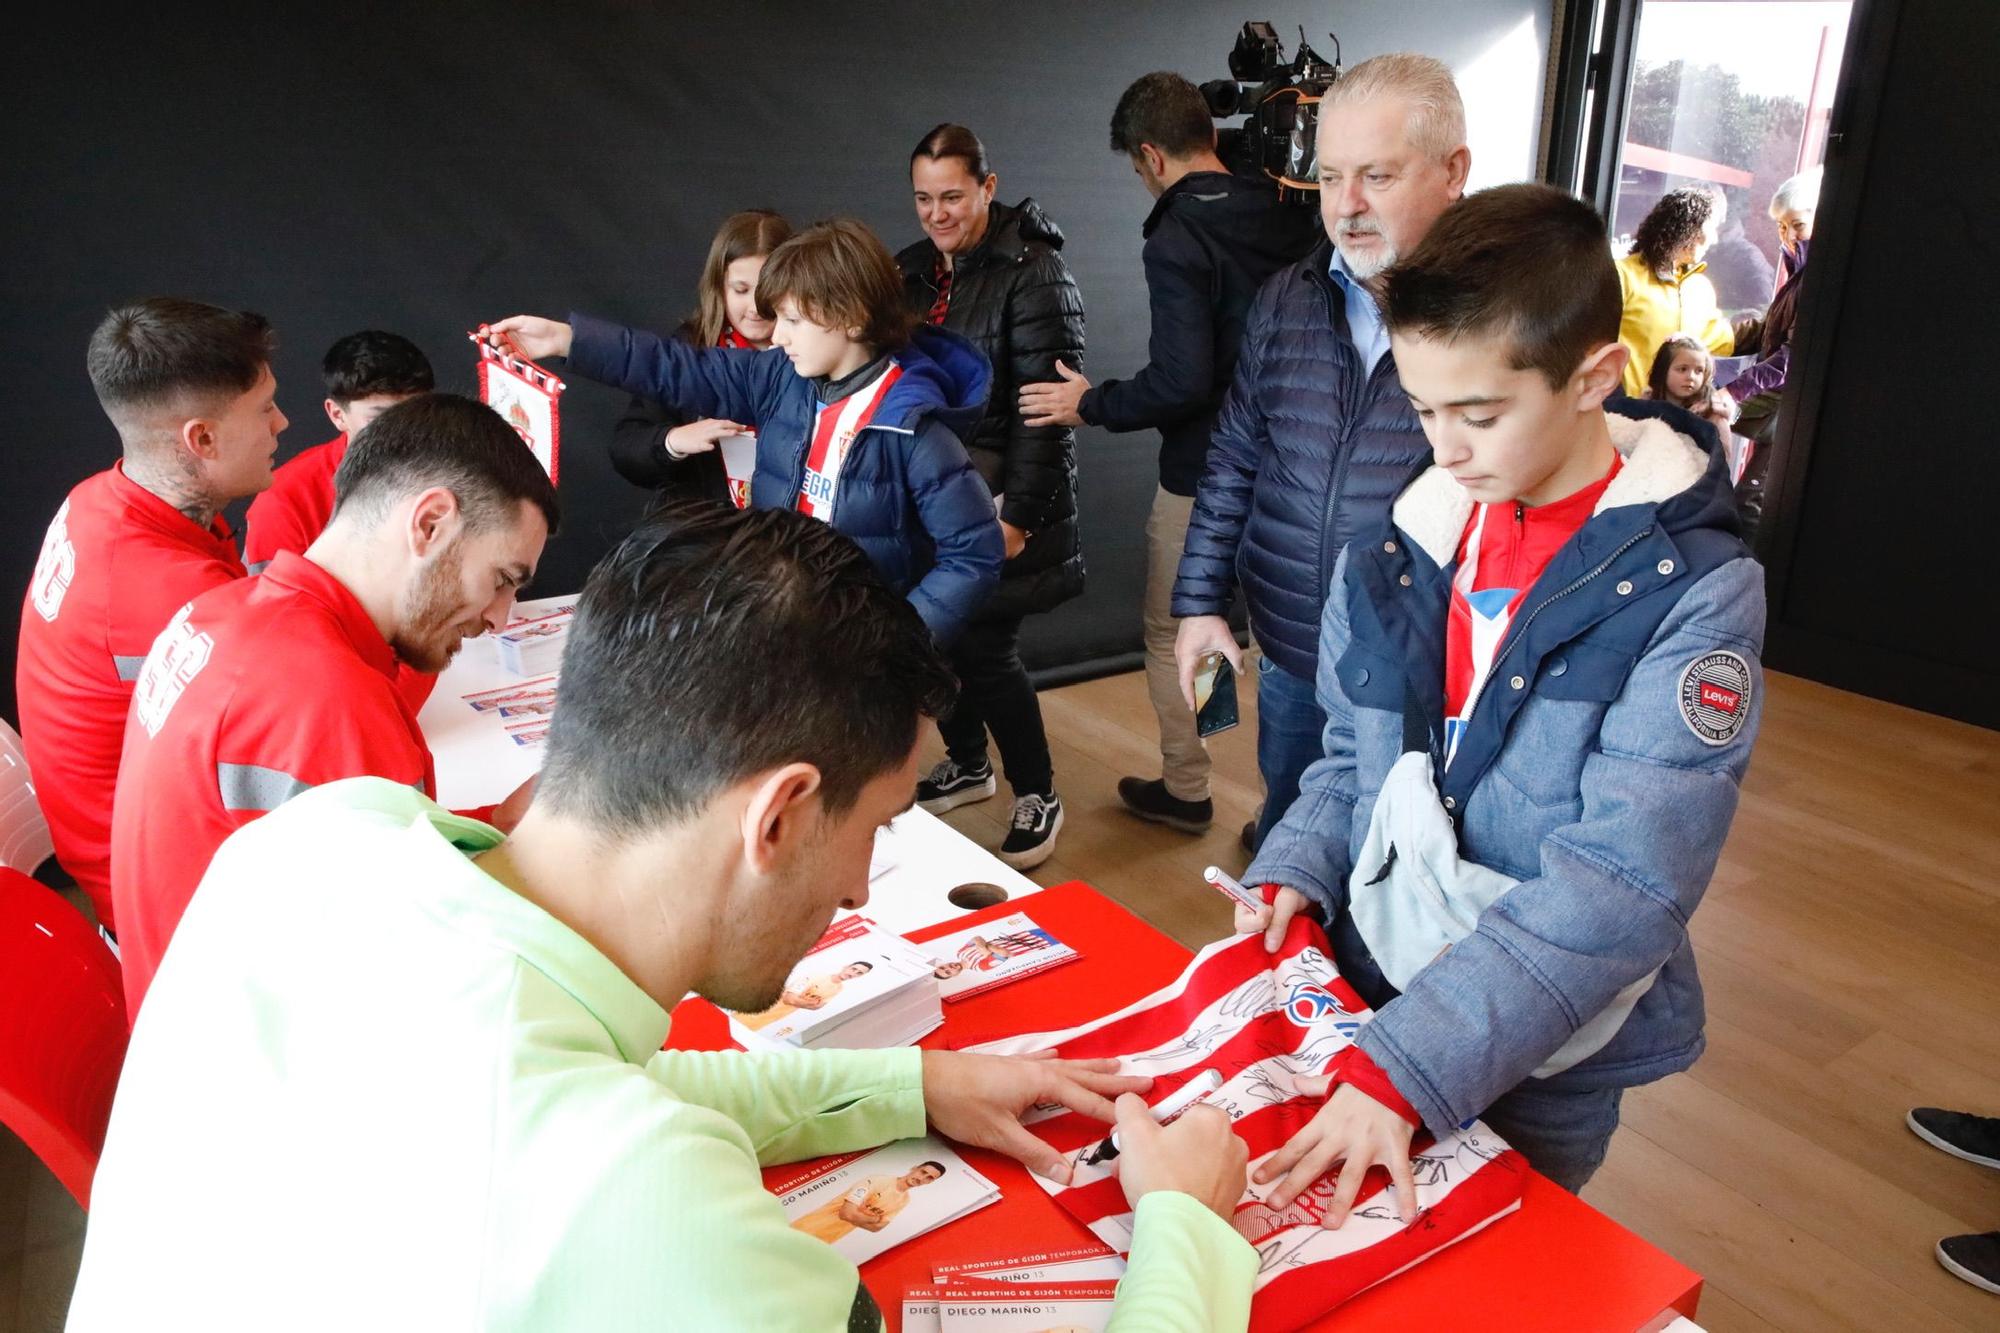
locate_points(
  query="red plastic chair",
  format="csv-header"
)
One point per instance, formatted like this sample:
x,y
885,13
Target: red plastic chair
x,y
63,1039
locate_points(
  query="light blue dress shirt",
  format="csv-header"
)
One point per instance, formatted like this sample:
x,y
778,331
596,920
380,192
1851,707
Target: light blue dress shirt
x,y
1364,321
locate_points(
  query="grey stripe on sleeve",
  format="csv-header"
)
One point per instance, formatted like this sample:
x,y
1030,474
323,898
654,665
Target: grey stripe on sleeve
x,y
251,787
128,667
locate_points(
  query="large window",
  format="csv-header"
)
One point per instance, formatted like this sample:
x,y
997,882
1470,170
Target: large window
x,y
1734,93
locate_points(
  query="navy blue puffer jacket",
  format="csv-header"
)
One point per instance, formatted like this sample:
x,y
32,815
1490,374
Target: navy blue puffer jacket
x,y
908,496
1309,452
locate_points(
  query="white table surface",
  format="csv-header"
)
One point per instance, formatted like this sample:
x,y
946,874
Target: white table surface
x,y
477,764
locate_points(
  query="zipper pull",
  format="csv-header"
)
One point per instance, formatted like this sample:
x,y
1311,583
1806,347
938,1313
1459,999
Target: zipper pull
x,y
1520,514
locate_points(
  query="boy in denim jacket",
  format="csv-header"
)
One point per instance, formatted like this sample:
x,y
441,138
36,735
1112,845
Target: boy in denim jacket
x,y
1541,683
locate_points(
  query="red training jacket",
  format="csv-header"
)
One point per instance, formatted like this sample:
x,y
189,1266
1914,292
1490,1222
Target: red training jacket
x,y
295,510
255,692
292,514
117,562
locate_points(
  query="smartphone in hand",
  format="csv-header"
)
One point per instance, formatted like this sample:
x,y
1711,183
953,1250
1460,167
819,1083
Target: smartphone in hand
x,y
1214,695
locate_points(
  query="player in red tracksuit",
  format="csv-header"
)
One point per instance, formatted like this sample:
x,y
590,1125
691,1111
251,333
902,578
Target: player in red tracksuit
x,y
366,374
270,686
189,388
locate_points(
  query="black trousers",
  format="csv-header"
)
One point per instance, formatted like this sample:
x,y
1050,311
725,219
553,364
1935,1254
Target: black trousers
x,y
996,695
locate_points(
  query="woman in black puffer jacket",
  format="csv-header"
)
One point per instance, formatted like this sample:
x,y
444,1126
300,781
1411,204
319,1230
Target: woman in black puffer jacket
x,y
993,273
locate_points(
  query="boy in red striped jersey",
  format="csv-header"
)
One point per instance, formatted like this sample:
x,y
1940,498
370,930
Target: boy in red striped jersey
x,y
858,415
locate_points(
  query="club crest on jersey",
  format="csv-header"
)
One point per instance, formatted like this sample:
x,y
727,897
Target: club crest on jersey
x,y
1309,1002
1715,696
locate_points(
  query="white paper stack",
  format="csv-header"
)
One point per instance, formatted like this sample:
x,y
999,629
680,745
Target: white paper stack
x,y
1076,1281
534,646
864,1204
860,988
982,1307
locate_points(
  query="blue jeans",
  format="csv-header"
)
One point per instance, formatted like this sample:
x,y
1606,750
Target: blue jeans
x,y
1564,1135
1290,733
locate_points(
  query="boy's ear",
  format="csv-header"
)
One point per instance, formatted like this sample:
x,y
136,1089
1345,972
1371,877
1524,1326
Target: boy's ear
x,y
1599,376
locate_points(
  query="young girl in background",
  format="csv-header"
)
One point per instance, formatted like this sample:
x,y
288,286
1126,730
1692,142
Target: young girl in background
x,y
1684,375
661,449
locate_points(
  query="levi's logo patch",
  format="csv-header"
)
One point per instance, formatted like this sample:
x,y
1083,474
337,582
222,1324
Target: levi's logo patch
x,y
1715,696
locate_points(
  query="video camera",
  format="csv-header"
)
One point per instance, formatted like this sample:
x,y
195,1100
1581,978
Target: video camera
x,y
1282,103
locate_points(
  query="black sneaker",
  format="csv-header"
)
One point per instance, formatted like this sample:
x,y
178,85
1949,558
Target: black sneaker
x,y
1151,800
1248,837
1976,1138
1032,839
1975,1258
949,786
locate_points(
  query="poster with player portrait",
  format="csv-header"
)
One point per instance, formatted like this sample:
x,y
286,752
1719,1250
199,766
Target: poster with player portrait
x,y
524,395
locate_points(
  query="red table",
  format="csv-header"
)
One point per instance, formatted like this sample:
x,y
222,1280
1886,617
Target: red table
x,y
1557,1264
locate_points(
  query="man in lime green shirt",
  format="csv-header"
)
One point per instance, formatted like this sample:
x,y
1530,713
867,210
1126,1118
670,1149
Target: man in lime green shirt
x,y
396,1071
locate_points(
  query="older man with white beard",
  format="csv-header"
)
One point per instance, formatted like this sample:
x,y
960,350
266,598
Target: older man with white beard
x,y
1317,436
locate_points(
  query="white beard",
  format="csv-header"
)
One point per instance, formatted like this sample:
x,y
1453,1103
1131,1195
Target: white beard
x,y
1365,268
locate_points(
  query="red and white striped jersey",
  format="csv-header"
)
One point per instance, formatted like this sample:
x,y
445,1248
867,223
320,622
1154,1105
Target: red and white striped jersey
x,y
1264,1021
834,428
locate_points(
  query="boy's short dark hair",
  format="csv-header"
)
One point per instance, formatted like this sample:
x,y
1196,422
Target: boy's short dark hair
x,y
372,362
441,439
842,276
714,644
1525,262
150,352
1166,111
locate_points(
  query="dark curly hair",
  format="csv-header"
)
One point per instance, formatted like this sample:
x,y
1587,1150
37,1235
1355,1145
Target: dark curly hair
x,y
1675,221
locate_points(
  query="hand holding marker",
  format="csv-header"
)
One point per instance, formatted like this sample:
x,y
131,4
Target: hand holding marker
x,y
1232,888
1190,1092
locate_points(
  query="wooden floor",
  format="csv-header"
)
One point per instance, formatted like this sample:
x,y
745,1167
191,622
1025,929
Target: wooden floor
x,y
1850,945
1851,949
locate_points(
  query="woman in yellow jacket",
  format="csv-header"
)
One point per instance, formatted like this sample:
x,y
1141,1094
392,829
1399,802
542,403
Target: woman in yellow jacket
x,y
1664,287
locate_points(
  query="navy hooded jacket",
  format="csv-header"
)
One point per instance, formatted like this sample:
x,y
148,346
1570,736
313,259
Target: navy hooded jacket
x,y
1212,240
1600,770
1310,450
909,496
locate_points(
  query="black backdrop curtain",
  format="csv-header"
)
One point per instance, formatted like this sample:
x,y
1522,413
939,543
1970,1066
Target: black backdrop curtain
x,y
421,167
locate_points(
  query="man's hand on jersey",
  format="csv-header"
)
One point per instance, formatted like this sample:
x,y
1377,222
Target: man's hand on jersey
x,y
1274,920
1198,1155
980,1099
530,336
1197,637
1352,1128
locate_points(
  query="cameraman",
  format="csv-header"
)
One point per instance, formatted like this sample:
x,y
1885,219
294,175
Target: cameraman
x,y
1211,241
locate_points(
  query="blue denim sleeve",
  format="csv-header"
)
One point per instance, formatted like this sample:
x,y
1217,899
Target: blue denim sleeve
x,y
1616,887
1308,850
